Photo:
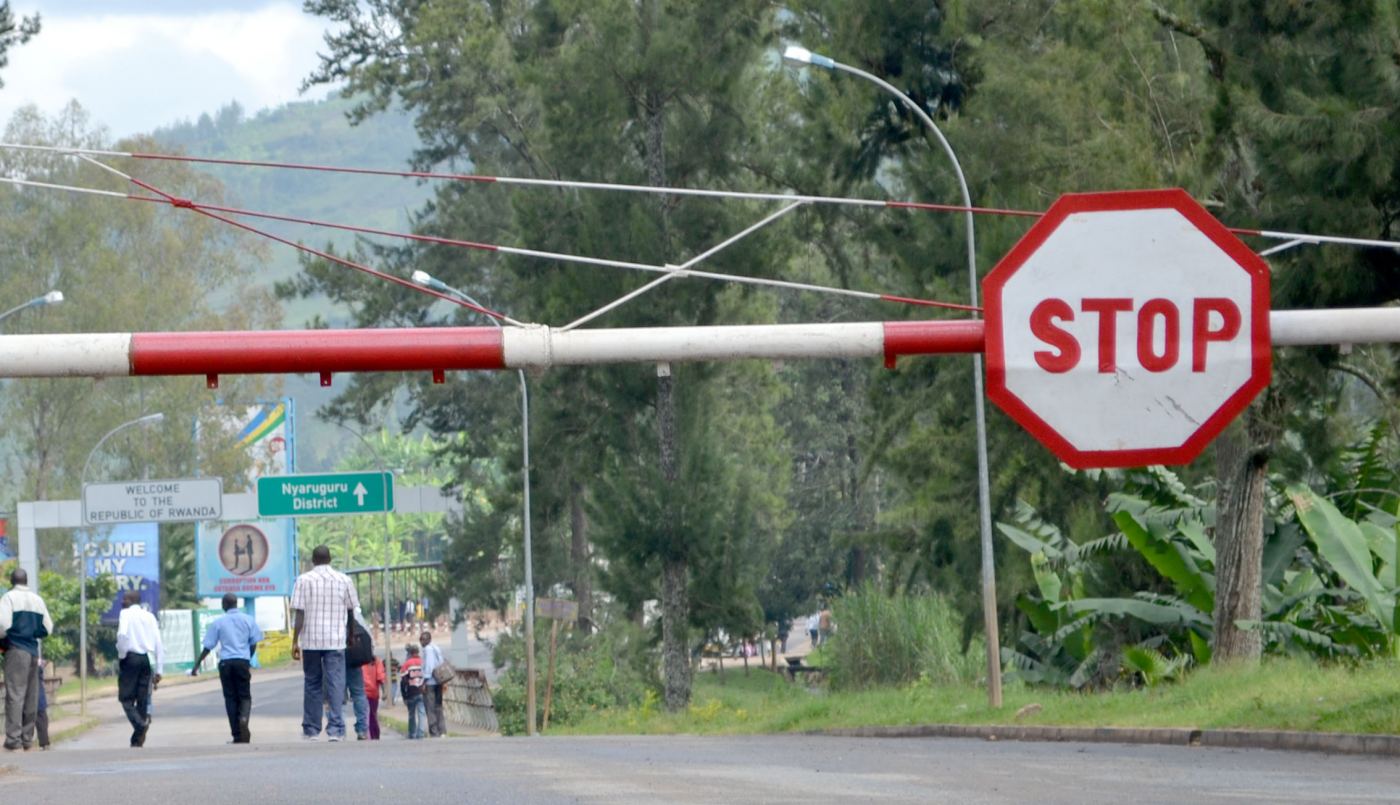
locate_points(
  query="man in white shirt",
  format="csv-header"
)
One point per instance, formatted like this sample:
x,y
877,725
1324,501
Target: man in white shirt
x,y
138,642
324,601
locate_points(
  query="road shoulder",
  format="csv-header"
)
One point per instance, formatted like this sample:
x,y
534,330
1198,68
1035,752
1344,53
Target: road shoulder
x,y
1326,742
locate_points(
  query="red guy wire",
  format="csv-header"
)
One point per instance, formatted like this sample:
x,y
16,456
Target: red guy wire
x,y
184,203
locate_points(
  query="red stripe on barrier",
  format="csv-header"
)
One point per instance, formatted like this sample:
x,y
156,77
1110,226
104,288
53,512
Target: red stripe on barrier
x,y
932,338
317,351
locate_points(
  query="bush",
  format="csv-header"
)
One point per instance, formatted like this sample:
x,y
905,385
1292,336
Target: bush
x,y
883,639
610,668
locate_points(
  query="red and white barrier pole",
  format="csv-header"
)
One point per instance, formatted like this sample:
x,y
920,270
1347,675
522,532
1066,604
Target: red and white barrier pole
x,y
442,349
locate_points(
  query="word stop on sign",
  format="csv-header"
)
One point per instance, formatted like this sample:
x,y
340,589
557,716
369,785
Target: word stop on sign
x,y
1127,329
1156,332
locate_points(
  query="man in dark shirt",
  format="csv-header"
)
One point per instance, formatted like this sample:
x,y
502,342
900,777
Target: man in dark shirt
x,y
24,621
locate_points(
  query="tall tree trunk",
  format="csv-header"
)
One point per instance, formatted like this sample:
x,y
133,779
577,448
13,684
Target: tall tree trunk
x,y
1242,463
675,567
675,604
580,556
856,571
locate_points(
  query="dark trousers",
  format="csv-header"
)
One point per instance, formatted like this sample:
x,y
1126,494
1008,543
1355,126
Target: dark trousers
x,y
21,697
134,692
374,719
432,698
236,676
41,725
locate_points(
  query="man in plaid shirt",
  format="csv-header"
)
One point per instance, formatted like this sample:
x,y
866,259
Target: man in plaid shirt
x,y
325,602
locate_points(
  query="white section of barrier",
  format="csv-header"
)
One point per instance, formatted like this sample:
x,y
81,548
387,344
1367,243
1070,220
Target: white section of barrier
x,y
1367,325
66,355
543,347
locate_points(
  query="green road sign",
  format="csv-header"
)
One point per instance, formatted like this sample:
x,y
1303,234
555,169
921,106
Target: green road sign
x,y
325,493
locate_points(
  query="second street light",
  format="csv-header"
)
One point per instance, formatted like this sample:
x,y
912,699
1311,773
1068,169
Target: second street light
x,y
426,280
148,419
50,298
801,55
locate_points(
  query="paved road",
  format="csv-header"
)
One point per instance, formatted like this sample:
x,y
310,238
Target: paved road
x,y
192,715
184,760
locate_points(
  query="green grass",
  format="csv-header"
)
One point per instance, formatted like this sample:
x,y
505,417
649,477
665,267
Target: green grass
x,y
99,686
390,723
1280,694
74,731
96,685
401,727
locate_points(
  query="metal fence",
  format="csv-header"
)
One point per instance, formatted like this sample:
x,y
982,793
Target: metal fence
x,y
467,701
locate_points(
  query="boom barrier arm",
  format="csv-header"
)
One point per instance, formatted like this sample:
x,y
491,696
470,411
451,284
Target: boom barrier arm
x,y
442,349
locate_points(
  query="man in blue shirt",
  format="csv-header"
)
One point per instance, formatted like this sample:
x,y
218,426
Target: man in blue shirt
x,y
237,637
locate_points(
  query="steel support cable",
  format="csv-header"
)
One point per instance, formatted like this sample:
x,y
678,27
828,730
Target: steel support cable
x,y
176,201
208,209
675,191
683,269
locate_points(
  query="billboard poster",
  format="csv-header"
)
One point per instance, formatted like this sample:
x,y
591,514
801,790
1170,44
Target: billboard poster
x,y
256,557
182,632
265,434
130,553
247,559
5,551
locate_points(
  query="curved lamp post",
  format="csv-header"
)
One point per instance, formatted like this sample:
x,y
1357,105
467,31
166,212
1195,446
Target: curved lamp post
x,y
801,55
384,490
50,298
426,280
148,419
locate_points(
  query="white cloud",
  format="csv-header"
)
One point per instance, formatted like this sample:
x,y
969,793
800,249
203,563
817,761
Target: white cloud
x,y
135,72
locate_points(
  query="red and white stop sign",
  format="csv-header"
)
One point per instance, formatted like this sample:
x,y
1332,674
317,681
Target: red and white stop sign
x,y
1127,328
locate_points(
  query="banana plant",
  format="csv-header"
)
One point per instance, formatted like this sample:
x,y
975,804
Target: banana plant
x,y
1330,582
1357,613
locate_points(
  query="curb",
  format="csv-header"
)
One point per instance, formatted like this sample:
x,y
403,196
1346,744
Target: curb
x,y
1333,742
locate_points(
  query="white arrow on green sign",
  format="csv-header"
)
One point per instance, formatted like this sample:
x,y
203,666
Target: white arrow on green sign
x,y
325,494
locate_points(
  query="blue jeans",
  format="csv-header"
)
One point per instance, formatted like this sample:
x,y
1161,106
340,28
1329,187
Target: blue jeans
x,y
355,683
323,682
417,716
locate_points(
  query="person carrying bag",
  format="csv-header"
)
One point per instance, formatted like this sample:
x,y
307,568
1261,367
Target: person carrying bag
x,y
356,657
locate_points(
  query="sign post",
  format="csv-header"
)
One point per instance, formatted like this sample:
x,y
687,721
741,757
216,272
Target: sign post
x,y
556,609
325,494
1127,329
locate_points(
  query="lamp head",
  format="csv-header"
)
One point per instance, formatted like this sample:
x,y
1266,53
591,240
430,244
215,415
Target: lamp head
x,y
425,279
52,297
801,55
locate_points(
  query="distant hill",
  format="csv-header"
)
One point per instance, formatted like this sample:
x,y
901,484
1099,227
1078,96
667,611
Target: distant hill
x,y
311,132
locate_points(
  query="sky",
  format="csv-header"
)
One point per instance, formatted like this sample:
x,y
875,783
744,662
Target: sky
x,y
135,65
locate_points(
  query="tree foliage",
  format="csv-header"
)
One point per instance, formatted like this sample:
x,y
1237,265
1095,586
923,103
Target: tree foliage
x,y
792,479
14,33
121,267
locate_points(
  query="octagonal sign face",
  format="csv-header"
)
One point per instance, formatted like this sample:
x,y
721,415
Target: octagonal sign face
x,y
1127,329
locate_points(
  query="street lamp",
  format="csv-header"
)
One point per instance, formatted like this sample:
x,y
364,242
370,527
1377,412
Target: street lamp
x,y
384,491
801,55
50,298
426,280
83,557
